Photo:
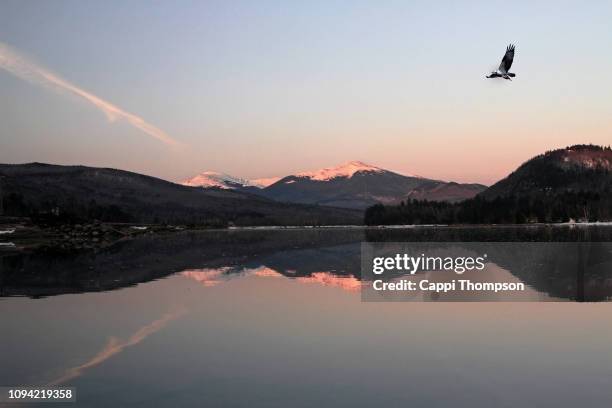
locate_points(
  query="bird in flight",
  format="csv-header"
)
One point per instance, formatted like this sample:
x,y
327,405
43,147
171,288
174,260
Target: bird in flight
x,y
504,67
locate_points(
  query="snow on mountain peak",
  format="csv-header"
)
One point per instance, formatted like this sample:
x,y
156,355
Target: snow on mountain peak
x,y
209,179
264,182
214,179
347,170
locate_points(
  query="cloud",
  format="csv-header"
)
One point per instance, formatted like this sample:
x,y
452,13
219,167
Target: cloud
x,y
115,346
21,67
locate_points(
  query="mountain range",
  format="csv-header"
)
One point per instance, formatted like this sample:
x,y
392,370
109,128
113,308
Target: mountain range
x,y
350,185
562,185
84,193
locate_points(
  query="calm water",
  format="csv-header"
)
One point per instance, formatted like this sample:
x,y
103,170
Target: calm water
x,y
275,319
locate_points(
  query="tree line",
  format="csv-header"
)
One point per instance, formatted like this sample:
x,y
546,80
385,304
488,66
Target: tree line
x,y
534,208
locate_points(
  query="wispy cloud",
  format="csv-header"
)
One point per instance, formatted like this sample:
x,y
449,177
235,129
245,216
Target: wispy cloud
x,y
18,65
115,346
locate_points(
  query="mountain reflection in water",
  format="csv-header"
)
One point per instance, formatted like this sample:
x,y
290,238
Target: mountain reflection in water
x,y
327,257
213,277
274,319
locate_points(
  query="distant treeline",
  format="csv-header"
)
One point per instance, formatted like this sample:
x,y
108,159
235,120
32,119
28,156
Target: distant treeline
x,y
560,207
74,211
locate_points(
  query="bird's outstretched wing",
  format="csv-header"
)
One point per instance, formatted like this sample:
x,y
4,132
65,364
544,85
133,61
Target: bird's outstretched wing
x,y
506,62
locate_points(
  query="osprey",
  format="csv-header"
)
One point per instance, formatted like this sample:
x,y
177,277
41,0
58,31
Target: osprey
x,y
504,67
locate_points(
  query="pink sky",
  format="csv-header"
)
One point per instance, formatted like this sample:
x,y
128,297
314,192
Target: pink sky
x,y
256,91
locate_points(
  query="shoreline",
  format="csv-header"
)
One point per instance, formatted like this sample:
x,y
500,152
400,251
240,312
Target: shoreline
x,y
24,236
412,226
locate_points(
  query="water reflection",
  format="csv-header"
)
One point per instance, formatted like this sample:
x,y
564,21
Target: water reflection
x,y
560,270
115,346
348,283
327,257
208,277
274,320
213,277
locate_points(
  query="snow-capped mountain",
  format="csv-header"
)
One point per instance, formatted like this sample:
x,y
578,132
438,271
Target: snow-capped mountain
x,y
213,179
210,179
344,170
358,185
353,184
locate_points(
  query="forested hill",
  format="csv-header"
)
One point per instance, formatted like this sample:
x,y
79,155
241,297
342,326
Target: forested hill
x,y
562,185
88,193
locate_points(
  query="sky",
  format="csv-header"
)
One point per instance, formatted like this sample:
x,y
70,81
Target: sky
x,y
261,88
